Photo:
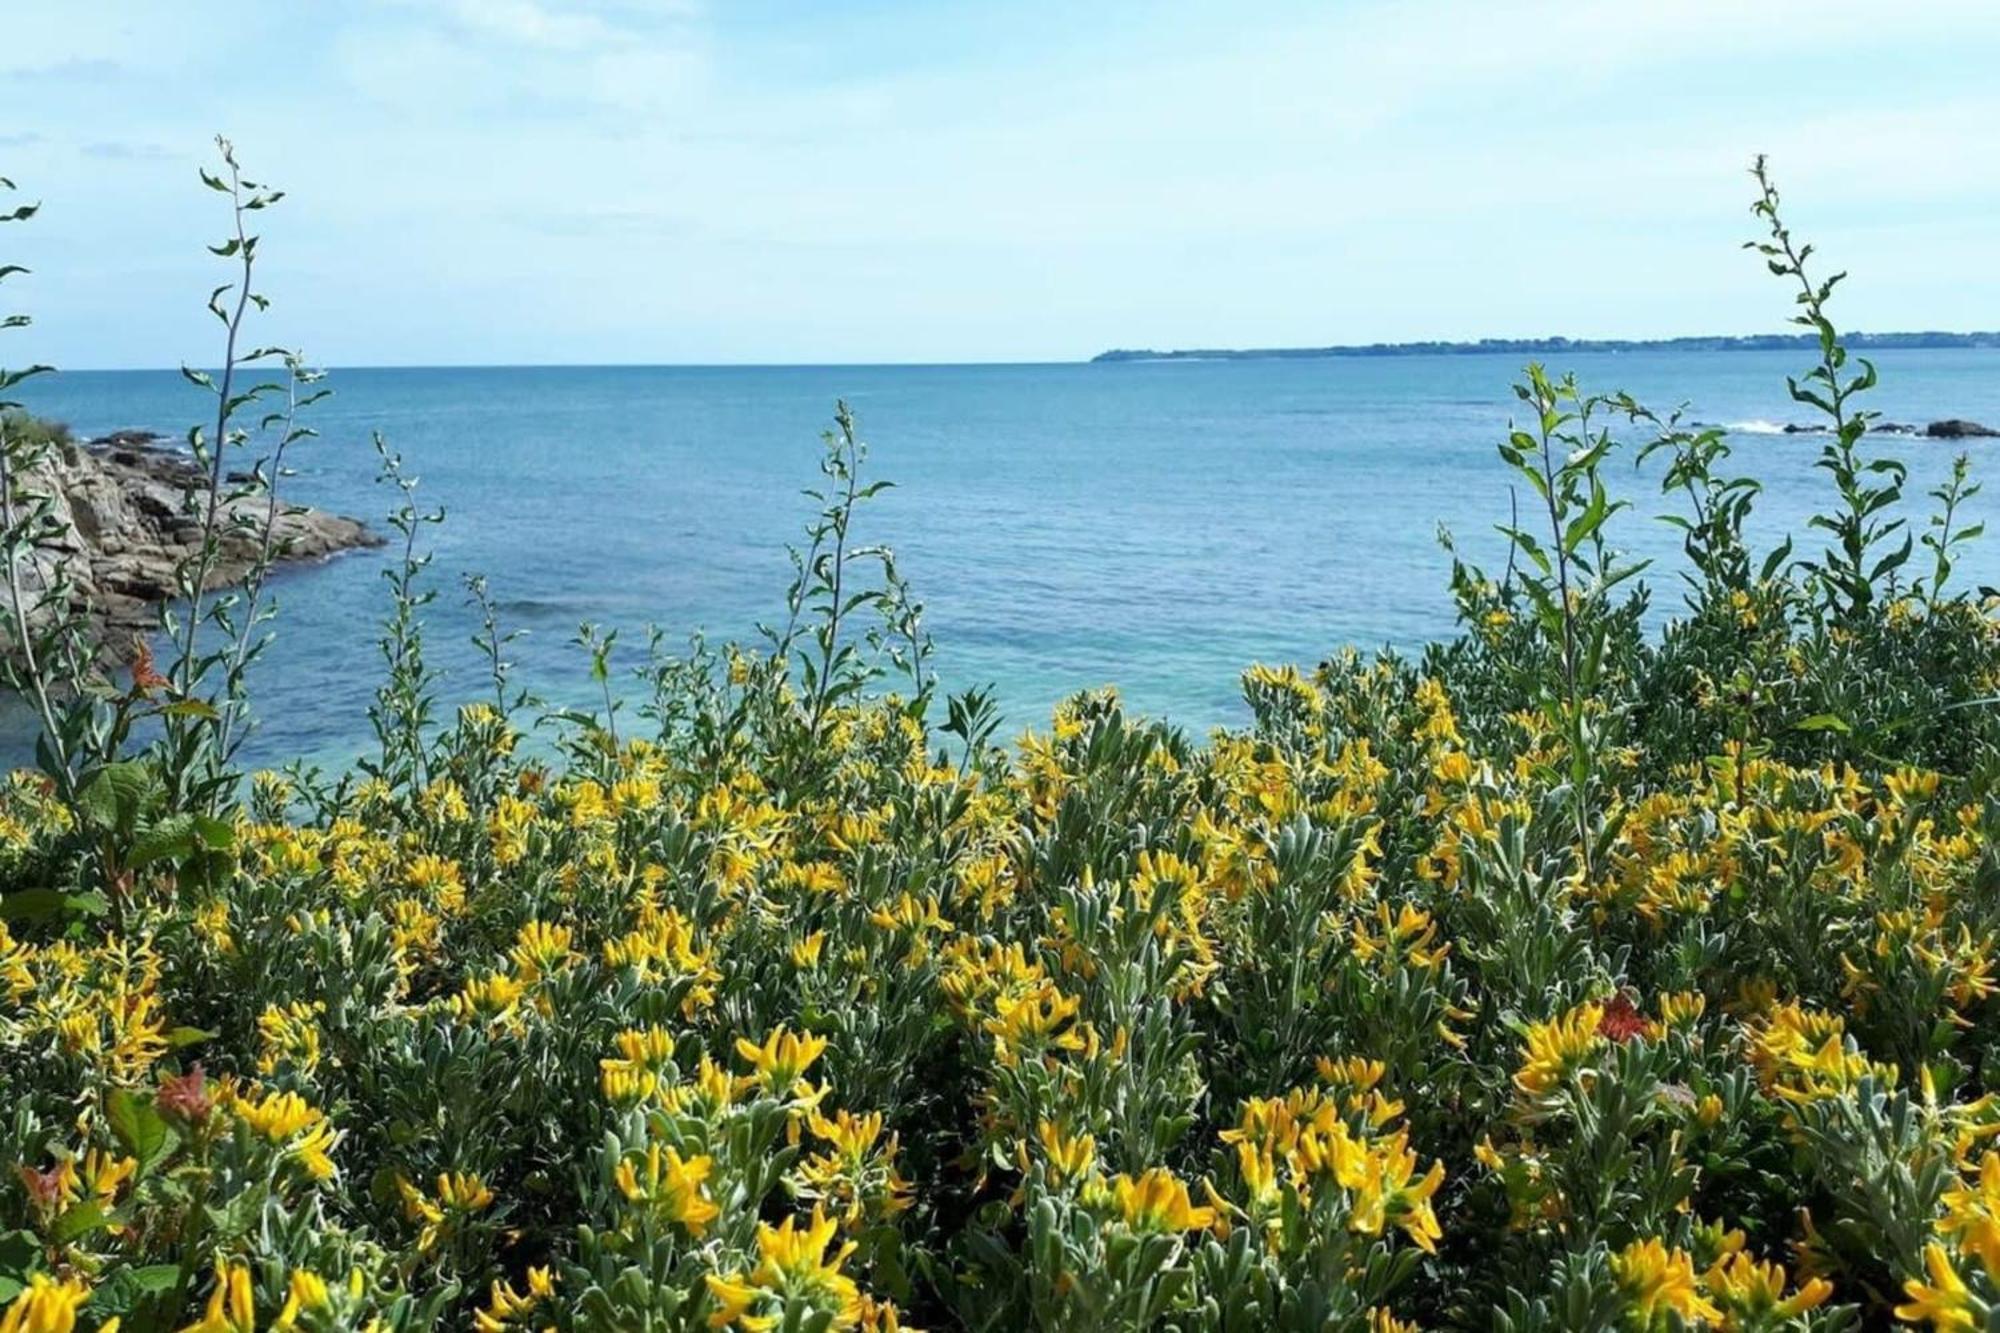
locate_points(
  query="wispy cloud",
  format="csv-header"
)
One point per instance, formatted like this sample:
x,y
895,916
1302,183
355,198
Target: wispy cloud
x,y
83,71
525,57
937,178
121,150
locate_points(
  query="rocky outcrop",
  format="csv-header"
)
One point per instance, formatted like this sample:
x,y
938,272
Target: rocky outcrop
x,y
123,502
1955,429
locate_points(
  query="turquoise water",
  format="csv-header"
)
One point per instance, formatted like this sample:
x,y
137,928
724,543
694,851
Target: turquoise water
x,y
1157,525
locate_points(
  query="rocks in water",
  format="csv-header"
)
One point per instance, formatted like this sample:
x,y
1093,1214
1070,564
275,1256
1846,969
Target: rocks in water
x,y
122,501
1951,429
1874,428
1956,429
128,439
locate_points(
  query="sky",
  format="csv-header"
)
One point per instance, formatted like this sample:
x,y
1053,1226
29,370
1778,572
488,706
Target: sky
x,y
713,181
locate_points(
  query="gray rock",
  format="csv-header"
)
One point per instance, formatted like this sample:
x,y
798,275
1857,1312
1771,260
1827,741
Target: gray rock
x,y
1955,429
128,519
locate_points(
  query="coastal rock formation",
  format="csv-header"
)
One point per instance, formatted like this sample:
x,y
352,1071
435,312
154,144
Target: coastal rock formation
x,y
122,501
1955,429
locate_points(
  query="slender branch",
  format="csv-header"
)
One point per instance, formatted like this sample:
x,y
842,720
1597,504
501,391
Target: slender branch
x,y
205,560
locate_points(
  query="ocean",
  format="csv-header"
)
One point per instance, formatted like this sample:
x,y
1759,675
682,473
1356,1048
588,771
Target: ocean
x,y
1160,525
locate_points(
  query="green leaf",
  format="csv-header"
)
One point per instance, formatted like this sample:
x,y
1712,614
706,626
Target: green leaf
x,y
31,905
187,1036
171,839
154,1278
1824,722
217,835
139,1126
20,1251
115,794
78,1222
1587,522
135,1297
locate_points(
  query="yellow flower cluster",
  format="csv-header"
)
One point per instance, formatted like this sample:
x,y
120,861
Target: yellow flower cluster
x,y
1331,1013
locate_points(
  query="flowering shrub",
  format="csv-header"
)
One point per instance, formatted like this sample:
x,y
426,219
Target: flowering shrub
x,y
1556,979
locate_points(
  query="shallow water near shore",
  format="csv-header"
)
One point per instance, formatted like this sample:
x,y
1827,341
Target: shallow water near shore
x,y
1157,525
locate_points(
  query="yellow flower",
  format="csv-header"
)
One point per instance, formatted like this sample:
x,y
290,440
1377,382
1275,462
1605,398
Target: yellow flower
x,y
1033,1023
671,1186
104,1174
508,828
413,928
805,954
1945,1301
858,1174
138,1029
1972,1214
441,879
1384,1192
464,1191
495,996
1070,1156
540,950
1805,1054
459,1194
506,1304
231,1306
289,1034
1557,1048
1682,1008
305,1291
1260,1173
1655,1279
792,1266
285,1118
643,1055
1743,1286
851,1135
782,1061
46,1306
663,948
444,801
712,1090
211,922
1158,1201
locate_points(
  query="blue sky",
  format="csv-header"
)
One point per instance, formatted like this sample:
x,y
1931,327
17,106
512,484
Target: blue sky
x,y
476,181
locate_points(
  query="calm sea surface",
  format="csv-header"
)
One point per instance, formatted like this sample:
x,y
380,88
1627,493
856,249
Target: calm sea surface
x,y
1160,525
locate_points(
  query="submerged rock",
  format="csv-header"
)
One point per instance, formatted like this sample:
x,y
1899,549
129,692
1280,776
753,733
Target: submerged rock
x,y
123,502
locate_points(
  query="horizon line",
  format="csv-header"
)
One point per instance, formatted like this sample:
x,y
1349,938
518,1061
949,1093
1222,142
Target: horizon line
x,y
1496,345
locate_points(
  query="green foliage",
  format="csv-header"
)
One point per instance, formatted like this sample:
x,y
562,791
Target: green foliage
x,y
33,433
1563,977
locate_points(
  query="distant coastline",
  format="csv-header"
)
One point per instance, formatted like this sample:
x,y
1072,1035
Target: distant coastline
x,y
1760,342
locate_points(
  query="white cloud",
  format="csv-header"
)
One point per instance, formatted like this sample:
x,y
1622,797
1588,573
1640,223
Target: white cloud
x,y
665,180
528,23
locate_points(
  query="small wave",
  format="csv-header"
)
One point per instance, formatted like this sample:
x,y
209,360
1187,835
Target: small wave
x,y
1761,427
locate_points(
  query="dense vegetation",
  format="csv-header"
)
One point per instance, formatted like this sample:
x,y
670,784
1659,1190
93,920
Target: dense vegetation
x,y
1562,977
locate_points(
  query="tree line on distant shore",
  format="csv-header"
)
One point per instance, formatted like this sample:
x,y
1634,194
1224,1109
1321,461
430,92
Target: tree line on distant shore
x,y
1756,342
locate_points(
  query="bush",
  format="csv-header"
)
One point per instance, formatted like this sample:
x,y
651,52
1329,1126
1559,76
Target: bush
x,y
1559,978
33,432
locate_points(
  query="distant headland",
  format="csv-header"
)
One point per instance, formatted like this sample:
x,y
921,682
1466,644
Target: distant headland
x,y
1759,342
